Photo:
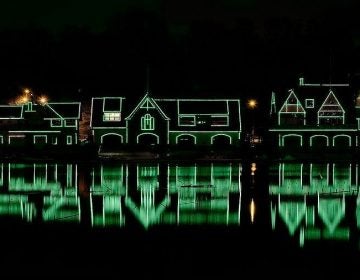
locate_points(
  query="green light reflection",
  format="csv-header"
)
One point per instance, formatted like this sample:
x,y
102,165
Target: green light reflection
x,y
108,194
311,199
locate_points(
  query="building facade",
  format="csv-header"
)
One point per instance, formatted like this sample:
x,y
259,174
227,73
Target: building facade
x,y
31,124
315,116
166,122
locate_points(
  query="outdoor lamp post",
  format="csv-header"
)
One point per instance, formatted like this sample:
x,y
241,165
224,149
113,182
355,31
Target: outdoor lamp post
x,y
251,105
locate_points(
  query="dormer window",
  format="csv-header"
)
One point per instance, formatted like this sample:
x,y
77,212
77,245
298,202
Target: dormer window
x,y
309,103
112,109
112,117
56,123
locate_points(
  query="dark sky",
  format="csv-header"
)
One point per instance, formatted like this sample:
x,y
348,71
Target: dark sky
x,y
192,46
56,14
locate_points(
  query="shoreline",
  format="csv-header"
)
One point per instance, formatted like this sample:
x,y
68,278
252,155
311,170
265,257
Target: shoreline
x,y
131,155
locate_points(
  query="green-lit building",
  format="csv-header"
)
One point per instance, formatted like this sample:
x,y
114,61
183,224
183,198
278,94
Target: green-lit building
x,y
315,117
31,124
187,122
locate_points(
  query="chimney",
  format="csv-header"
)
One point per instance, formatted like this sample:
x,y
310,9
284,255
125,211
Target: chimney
x,y
301,81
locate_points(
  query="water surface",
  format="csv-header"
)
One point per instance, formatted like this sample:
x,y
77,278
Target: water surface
x,y
185,217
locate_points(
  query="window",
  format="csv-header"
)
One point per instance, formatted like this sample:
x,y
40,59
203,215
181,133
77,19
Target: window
x,y
56,123
29,107
219,121
112,117
40,139
186,120
147,122
68,140
309,103
70,123
54,140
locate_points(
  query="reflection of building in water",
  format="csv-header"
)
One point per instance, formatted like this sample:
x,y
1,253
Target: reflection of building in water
x,y
23,185
16,205
314,201
313,178
148,199
105,194
204,194
174,194
108,187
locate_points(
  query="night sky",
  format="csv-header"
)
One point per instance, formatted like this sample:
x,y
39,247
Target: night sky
x,y
57,14
77,49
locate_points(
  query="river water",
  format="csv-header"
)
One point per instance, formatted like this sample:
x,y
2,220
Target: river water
x,y
160,219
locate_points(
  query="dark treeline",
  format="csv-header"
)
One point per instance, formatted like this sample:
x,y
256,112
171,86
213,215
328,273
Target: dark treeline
x,y
239,57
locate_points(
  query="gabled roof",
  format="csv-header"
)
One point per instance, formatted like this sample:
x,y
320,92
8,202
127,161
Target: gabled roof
x,y
65,110
292,104
318,93
149,102
11,112
331,103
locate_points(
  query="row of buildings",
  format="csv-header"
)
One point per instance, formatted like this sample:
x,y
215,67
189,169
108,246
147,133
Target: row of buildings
x,y
309,116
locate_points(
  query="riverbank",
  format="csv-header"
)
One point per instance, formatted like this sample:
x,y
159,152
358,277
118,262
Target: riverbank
x,y
92,153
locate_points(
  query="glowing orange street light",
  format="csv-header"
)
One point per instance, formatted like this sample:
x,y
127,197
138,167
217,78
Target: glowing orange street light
x,y
252,103
43,100
26,91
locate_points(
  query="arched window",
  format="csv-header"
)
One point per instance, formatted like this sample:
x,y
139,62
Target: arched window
x,y
147,122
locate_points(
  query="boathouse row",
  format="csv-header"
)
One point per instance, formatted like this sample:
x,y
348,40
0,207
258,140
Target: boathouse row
x,y
187,122
315,116
32,124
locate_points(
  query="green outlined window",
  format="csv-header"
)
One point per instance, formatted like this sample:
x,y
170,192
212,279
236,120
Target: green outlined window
x,y
1,139
56,123
29,107
112,117
219,121
54,140
40,139
309,103
70,123
68,140
186,120
147,122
